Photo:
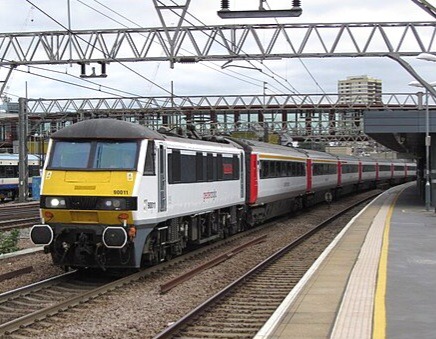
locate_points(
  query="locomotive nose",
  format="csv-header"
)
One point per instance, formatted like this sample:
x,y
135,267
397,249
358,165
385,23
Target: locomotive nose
x,y
41,234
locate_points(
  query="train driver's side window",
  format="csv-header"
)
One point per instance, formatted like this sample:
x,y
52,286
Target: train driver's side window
x,y
150,159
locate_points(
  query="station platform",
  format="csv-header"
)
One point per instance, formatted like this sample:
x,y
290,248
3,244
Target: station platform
x,y
376,280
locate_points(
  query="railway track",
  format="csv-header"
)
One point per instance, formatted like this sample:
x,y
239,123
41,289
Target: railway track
x,y
243,307
21,308
10,209
18,215
38,301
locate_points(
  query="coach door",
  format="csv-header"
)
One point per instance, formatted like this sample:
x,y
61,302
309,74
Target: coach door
x,y
162,179
242,174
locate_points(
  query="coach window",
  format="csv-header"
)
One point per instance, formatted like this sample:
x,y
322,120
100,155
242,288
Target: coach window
x,y
369,168
219,164
324,169
352,168
299,169
278,168
33,171
283,167
265,167
174,167
288,169
150,158
227,168
316,169
188,168
273,169
211,167
10,171
200,167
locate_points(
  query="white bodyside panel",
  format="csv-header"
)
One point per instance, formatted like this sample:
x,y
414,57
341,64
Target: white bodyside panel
x,y
349,178
186,198
324,181
283,187
369,176
203,197
383,175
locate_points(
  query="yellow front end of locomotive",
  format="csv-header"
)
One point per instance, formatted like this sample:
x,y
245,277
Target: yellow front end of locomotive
x,y
93,191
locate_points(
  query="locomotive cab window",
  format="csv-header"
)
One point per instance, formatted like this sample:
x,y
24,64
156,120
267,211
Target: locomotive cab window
x,y
150,159
68,154
115,155
111,155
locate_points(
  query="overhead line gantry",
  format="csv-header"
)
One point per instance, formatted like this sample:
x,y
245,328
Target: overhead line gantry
x,y
219,43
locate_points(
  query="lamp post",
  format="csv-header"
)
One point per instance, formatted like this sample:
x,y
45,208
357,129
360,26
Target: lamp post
x,y
427,144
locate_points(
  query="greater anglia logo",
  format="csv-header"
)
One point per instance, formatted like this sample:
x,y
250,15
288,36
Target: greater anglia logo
x,y
209,195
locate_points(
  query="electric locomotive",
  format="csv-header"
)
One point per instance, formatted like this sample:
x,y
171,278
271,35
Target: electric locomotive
x,y
117,194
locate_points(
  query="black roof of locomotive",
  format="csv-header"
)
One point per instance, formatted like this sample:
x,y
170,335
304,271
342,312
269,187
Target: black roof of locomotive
x,y
106,129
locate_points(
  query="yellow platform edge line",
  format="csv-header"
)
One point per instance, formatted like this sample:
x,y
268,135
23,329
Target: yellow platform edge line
x,y
379,326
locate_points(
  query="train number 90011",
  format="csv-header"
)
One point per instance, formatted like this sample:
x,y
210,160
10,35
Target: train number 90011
x,y
121,192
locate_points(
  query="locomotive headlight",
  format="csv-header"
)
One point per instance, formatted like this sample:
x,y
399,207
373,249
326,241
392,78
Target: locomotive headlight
x,y
55,202
112,203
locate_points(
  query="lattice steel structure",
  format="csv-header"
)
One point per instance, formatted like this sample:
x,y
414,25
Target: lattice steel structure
x,y
218,43
305,117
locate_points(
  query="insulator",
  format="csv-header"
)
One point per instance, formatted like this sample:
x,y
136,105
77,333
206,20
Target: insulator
x,y
82,68
187,60
225,4
296,3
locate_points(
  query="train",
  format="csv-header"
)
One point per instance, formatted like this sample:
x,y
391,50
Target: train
x,y
9,174
118,195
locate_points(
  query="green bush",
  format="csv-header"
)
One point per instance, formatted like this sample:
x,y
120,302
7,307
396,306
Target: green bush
x,y
9,241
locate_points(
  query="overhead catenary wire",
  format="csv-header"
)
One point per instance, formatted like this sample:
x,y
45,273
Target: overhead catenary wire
x,y
114,59
304,65
249,61
140,26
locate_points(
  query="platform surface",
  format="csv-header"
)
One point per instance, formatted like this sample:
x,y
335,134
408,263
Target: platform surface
x,y
377,280
411,270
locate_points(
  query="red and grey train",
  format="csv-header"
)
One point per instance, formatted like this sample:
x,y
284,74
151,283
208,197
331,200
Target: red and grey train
x,y
115,194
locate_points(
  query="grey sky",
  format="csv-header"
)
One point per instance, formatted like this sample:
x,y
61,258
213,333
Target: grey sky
x,y
203,78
